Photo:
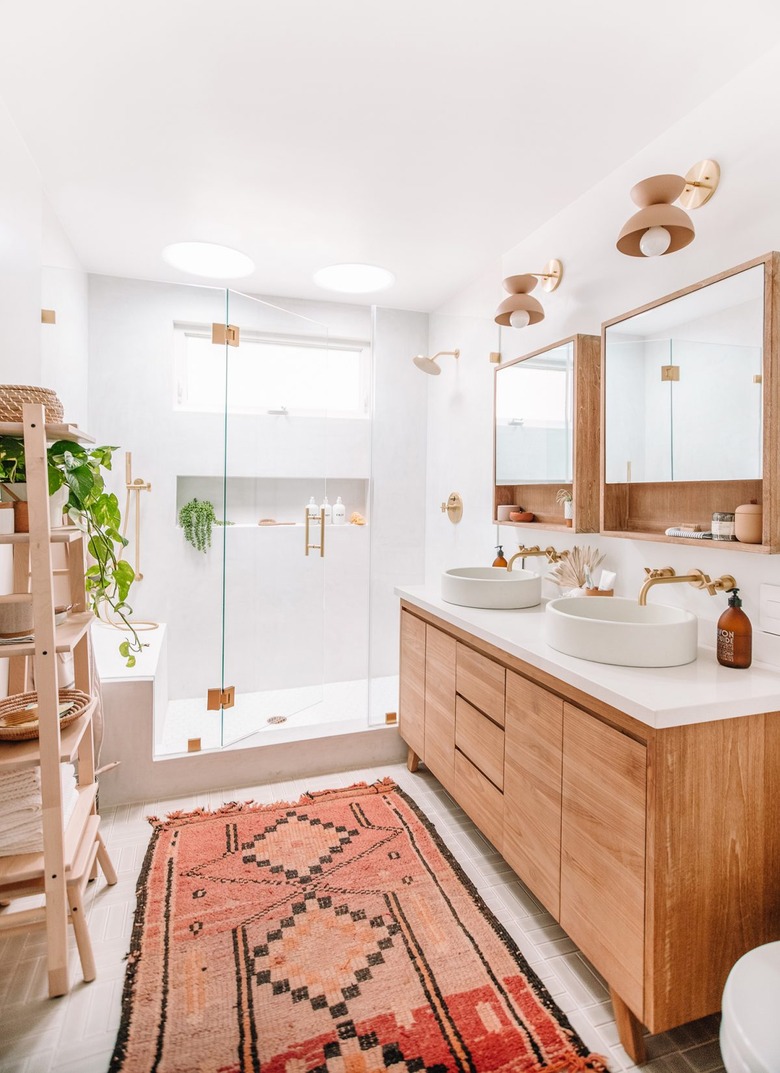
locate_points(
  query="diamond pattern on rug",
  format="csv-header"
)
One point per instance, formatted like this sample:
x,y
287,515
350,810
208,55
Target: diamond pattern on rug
x,y
284,963
335,936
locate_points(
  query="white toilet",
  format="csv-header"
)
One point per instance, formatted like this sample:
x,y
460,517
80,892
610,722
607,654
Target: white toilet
x,y
750,1029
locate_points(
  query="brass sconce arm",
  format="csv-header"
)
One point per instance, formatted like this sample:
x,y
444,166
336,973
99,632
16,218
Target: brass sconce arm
x,y
697,578
551,554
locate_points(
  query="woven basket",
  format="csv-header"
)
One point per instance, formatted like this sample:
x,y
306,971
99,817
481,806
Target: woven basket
x,y
17,702
13,396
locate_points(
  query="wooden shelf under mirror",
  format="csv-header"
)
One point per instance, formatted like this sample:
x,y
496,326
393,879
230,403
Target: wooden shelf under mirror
x,y
570,439
690,404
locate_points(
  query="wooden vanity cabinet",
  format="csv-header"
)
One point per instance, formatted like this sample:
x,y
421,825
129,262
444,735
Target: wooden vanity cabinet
x,y
411,700
532,787
657,850
603,816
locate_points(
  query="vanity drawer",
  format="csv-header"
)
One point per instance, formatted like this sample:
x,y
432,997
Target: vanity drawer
x,y
481,681
479,798
480,740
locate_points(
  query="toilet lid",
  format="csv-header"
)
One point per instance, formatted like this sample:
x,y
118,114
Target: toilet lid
x,y
751,1000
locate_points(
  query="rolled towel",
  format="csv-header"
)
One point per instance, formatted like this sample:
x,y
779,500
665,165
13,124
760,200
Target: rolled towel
x,y
687,533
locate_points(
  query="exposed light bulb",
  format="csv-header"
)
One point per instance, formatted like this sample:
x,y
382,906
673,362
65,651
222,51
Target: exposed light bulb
x,y
521,318
655,241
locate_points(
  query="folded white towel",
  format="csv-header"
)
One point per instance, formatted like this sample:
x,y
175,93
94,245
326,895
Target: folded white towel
x,y
28,836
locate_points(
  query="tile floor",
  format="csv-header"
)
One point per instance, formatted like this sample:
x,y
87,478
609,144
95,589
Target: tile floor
x,y
75,1034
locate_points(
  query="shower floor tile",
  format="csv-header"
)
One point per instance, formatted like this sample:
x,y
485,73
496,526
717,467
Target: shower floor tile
x,y
307,711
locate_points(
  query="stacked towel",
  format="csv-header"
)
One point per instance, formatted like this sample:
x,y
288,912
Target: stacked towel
x,y
21,811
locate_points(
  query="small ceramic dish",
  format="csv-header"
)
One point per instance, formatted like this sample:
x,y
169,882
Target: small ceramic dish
x,y
521,516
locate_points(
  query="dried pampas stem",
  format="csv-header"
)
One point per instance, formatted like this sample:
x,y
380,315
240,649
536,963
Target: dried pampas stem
x,y
570,572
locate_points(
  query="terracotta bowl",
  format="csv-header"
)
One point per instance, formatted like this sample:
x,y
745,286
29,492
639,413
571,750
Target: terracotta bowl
x,y
521,516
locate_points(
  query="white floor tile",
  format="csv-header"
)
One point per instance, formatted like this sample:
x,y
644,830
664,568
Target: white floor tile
x,y
76,1034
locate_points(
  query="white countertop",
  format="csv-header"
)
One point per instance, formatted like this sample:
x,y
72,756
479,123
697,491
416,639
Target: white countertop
x,y
699,692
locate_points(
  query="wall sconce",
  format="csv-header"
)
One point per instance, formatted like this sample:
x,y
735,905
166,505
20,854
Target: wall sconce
x,y
520,309
661,227
428,365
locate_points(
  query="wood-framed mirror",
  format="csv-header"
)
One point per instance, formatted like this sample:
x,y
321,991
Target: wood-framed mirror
x,y
546,426
690,409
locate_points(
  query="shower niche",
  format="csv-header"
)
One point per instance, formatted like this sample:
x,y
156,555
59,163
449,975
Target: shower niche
x,y
273,502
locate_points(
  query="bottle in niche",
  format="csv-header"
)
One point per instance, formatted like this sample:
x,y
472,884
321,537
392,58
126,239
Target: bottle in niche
x,y
735,635
339,512
313,511
325,506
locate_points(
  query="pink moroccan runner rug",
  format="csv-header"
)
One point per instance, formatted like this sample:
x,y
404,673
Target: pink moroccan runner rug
x,y
333,935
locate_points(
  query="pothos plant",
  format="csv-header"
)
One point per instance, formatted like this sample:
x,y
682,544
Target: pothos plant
x,y
93,510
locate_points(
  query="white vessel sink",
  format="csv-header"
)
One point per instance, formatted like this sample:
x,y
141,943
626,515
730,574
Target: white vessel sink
x,y
607,629
491,586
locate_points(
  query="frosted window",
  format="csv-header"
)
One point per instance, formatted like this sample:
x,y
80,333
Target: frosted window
x,y
300,377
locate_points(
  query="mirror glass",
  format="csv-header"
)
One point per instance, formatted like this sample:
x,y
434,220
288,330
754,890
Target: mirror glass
x,y
683,386
534,408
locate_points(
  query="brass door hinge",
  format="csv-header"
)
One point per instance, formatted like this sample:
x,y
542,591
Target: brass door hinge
x,y
225,333
48,316
670,372
220,698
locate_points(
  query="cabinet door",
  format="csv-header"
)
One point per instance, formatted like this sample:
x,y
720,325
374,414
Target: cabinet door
x,y
439,753
532,787
603,850
411,702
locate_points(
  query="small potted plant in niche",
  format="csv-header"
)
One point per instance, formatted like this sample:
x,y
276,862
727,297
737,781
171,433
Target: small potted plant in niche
x,y
89,507
197,518
563,496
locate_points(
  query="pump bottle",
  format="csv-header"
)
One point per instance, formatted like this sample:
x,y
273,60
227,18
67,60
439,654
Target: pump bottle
x,y
499,559
735,635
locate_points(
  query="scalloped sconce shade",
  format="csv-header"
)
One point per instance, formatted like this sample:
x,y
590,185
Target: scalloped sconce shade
x,y
519,301
670,226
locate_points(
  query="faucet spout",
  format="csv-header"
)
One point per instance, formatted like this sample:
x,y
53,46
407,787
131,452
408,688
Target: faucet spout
x,y
665,575
551,554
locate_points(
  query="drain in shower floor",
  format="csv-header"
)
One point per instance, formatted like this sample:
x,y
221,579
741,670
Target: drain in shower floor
x,y
276,719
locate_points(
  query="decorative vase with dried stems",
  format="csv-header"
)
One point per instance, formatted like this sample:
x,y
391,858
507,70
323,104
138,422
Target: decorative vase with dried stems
x,y
563,496
573,572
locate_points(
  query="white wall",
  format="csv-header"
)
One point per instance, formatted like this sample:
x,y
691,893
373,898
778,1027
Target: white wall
x,y
741,222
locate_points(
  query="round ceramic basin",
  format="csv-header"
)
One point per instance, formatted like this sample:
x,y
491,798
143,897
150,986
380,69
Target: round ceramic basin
x,y
491,586
607,629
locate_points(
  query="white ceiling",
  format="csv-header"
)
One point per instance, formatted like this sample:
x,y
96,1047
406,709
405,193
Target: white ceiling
x,y
427,136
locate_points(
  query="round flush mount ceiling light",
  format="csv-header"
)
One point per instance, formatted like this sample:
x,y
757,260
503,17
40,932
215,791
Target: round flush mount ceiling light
x,y
208,259
354,278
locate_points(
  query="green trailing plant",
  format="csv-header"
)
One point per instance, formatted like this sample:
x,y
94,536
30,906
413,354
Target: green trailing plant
x,y
93,510
197,519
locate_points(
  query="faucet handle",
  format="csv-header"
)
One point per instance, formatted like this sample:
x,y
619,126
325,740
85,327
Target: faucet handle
x,y
554,556
724,583
659,571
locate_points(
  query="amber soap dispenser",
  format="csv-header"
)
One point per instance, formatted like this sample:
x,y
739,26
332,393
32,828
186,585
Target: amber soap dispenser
x,y
735,635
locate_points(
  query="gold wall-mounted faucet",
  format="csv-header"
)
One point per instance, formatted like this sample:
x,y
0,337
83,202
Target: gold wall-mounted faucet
x,y
552,555
665,575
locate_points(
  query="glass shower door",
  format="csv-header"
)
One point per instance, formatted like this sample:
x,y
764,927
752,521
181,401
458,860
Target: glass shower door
x,y
275,548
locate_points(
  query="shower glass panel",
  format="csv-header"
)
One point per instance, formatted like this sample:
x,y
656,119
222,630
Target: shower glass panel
x,y
175,428
295,591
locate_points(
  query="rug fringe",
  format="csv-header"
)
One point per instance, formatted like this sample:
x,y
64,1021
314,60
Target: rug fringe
x,y
577,1063
381,786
